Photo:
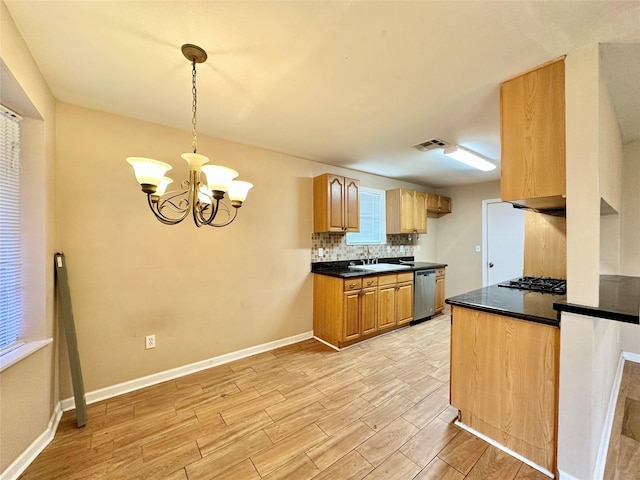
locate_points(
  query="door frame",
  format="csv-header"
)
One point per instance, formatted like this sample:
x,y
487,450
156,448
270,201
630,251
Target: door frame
x,y
485,238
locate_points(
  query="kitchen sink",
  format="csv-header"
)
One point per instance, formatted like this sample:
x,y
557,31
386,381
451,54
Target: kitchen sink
x,y
380,267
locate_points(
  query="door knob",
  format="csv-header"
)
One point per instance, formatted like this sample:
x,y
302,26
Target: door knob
x,y
490,264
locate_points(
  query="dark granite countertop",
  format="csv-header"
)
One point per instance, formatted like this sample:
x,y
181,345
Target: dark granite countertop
x,y
341,268
619,300
525,305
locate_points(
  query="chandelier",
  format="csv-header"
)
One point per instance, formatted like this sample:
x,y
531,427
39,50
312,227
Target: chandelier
x,y
205,200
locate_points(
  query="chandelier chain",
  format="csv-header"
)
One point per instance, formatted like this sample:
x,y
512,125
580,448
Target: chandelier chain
x,y
194,106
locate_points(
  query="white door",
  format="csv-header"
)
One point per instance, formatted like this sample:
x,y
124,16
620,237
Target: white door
x,y
503,242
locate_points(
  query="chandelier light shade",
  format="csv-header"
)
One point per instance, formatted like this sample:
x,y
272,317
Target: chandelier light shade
x,y
203,198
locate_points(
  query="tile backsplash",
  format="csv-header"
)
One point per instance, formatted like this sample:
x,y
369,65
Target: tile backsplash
x,y
335,247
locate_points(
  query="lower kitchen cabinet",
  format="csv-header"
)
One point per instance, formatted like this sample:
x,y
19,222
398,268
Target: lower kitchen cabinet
x,y
439,301
346,311
404,307
504,381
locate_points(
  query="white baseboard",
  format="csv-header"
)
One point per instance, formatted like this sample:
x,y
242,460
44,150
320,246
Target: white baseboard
x,y
506,450
565,476
125,387
326,343
632,357
601,458
21,463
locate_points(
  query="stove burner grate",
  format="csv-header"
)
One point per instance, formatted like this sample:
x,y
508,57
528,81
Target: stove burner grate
x,y
538,284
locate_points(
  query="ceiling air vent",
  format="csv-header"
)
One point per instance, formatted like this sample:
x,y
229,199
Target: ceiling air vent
x,y
432,144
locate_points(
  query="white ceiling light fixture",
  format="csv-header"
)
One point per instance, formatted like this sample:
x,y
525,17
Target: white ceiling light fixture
x,y
203,199
469,158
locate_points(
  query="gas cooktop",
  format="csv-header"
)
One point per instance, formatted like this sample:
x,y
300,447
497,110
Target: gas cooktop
x,y
538,284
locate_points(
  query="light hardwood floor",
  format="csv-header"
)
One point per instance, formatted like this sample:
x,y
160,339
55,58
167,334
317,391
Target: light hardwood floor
x,y
623,457
377,410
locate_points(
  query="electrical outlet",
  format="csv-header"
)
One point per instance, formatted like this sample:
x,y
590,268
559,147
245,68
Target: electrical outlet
x,y
401,248
321,252
150,341
388,248
477,248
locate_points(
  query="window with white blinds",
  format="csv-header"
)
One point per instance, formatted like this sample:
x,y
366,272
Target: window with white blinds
x,y
372,219
10,242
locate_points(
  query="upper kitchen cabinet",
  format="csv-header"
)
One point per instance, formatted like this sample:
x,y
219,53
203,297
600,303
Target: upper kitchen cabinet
x,y
438,204
406,211
532,134
336,204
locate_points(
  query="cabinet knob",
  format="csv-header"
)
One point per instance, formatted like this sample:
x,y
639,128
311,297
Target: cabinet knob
x,y
352,285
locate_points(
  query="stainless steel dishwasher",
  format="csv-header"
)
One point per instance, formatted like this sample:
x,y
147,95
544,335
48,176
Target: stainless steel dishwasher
x,y
424,296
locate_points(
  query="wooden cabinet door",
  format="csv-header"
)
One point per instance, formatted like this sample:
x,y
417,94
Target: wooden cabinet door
x,y
351,320
420,212
406,211
386,306
504,381
444,205
336,203
532,134
369,310
404,303
351,205
439,307
432,202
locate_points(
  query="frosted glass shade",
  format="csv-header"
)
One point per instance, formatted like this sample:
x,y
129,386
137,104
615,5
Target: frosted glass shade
x,y
238,190
195,160
148,171
218,177
204,195
469,158
164,183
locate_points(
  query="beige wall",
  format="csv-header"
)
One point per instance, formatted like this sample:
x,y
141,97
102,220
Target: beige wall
x,y
458,234
630,233
202,292
590,347
28,389
630,215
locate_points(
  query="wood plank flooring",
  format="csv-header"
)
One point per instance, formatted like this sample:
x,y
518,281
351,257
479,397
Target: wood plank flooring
x,y
623,457
377,410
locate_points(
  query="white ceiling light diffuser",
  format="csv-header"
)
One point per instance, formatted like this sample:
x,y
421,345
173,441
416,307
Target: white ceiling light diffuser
x,y
469,158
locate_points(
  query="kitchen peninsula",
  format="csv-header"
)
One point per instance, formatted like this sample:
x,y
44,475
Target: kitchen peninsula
x,y
505,367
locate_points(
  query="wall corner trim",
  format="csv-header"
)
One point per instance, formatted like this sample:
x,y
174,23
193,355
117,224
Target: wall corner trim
x,y
138,383
21,463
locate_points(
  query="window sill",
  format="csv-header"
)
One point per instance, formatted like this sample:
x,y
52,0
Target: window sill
x,y
23,351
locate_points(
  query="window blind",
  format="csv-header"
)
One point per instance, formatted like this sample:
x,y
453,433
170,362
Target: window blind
x,y
10,242
372,219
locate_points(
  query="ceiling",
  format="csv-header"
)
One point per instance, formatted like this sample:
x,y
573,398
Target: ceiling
x,y
353,84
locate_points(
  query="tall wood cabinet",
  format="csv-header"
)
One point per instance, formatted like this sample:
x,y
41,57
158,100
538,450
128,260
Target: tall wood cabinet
x,y
406,211
532,137
336,204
